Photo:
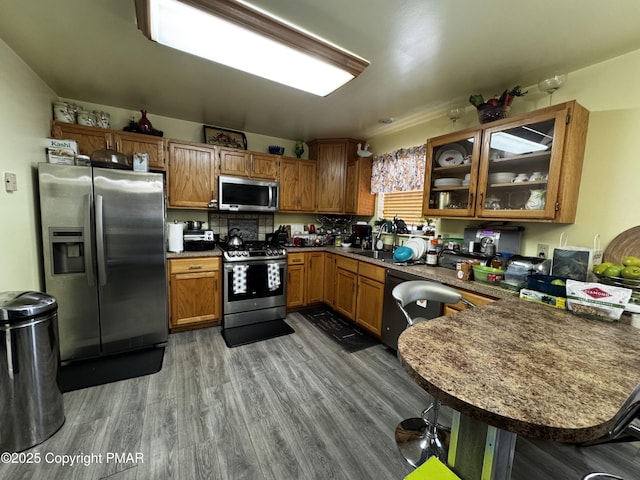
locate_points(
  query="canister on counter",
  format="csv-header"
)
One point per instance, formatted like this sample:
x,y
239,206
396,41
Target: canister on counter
x,y
338,241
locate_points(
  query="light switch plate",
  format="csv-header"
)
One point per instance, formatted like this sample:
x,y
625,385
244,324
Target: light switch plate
x,y
10,182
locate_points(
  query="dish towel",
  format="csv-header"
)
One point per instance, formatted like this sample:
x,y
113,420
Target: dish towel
x,y
240,279
273,276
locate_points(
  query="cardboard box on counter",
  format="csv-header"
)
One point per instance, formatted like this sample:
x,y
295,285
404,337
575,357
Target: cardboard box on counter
x,y
464,270
543,298
61,151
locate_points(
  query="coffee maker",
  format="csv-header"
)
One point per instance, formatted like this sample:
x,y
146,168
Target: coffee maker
x,y
360,233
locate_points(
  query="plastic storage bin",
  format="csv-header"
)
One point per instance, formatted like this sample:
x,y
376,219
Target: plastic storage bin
x,y
31,408
542,283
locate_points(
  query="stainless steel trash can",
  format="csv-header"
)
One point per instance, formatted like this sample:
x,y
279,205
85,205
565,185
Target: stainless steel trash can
x,y
31,408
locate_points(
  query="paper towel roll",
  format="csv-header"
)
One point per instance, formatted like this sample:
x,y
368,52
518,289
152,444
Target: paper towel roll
x,y
176,240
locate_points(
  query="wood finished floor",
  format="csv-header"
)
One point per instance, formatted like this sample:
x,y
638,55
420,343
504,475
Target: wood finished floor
x,y
295,407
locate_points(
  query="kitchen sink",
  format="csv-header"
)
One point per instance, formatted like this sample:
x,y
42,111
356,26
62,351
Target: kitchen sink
x,y
380,255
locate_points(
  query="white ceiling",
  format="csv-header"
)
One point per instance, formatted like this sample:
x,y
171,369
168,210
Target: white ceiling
x,y
424,54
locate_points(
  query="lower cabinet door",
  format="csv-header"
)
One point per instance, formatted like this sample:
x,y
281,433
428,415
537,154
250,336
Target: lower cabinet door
x,y
345,293
295,286
315,277
370,298
195,298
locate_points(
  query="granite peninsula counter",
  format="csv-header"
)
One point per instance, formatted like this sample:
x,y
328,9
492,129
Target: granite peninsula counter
x,y
517,368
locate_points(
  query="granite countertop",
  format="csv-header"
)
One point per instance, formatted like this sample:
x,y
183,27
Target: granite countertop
x,y
216,252
536,371
519,366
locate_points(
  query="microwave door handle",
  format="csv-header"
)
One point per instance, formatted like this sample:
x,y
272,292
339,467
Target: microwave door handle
x,y
271,196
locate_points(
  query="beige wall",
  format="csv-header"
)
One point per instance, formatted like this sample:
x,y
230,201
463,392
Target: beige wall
x,y
610,179
24,122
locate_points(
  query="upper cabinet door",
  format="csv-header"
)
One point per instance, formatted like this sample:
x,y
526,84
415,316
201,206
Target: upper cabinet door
x,y
130,143
521,168
192,175
265,165
451,174
89,139
234,162
525,168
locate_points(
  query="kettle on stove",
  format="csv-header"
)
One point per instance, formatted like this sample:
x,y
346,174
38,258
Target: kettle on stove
x,y
235,239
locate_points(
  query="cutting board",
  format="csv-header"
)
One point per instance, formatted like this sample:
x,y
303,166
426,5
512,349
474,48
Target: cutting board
x,y
627,243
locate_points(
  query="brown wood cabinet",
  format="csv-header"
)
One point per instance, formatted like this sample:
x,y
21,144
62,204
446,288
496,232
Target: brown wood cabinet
x,y
545,147
90,139
314,281
192,175
473,297
332,156
244,163
346,286
370,297
296,280
297,185
195,299
329,279
358,197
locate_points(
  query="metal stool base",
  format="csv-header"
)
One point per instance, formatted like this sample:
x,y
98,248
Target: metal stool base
x,y
416,443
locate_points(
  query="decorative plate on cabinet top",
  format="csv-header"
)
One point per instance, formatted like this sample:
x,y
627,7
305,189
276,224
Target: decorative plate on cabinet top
x,y
451,154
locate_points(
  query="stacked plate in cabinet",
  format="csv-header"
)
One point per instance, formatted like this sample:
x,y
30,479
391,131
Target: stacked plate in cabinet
x,y
447,182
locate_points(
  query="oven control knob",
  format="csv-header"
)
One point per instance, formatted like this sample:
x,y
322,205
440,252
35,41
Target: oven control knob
x,y
245,253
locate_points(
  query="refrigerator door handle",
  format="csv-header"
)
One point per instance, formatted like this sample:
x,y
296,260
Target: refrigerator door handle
x,y
88,251
102,268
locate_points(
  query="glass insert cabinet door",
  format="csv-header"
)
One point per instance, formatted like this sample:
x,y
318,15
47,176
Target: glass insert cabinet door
x,y
451,174
520,168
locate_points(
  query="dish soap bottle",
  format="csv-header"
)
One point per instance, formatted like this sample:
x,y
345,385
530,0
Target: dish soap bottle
x,y
432,253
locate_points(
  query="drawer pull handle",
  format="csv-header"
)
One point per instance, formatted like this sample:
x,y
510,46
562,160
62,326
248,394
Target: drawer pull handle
x,y
195,267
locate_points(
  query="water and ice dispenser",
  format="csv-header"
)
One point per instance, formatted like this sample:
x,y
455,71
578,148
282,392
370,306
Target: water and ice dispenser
x,y
67,250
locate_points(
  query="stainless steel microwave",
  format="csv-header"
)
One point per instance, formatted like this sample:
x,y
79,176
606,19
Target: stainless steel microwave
x,y
248,194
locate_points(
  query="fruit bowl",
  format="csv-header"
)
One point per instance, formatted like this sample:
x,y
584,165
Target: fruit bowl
x,y
276,150
482,273
634,285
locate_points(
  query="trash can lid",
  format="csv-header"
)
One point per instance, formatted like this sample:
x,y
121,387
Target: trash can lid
x,y
22,305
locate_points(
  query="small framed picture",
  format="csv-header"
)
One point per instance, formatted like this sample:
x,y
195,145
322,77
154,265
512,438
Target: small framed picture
x,y
140,162
224,137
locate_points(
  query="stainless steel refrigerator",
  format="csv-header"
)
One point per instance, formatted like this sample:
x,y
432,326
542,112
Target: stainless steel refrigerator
x,y
103,240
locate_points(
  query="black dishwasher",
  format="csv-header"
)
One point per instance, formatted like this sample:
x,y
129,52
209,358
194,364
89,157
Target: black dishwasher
x,y
393,321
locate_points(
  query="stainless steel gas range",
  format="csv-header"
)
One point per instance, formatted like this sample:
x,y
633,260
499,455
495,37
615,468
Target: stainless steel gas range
x,y
254,285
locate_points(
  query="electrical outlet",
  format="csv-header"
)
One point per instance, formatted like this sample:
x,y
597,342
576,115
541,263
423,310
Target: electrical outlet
x,y
10,182
543,250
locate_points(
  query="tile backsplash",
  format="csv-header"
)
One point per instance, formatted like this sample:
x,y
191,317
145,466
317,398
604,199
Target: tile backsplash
x,y
254,226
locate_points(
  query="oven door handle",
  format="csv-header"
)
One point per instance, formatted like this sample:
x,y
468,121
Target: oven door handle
x,y
228,266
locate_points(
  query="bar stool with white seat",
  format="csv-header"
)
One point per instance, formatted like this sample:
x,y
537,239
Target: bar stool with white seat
x,y
417,438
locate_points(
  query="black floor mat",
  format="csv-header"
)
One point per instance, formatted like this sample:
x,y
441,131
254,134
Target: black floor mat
x,y
234,337
341,331
98,371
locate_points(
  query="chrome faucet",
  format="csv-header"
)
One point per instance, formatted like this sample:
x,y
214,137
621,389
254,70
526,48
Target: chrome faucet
x,y
383,228
394,231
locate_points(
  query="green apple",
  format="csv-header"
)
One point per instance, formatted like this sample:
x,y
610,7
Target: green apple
x,y
630,261
557,281
613,271
631,271
600,268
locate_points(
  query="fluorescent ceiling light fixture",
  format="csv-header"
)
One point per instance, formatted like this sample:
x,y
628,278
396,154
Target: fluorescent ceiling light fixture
x,y
514,144
247,39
